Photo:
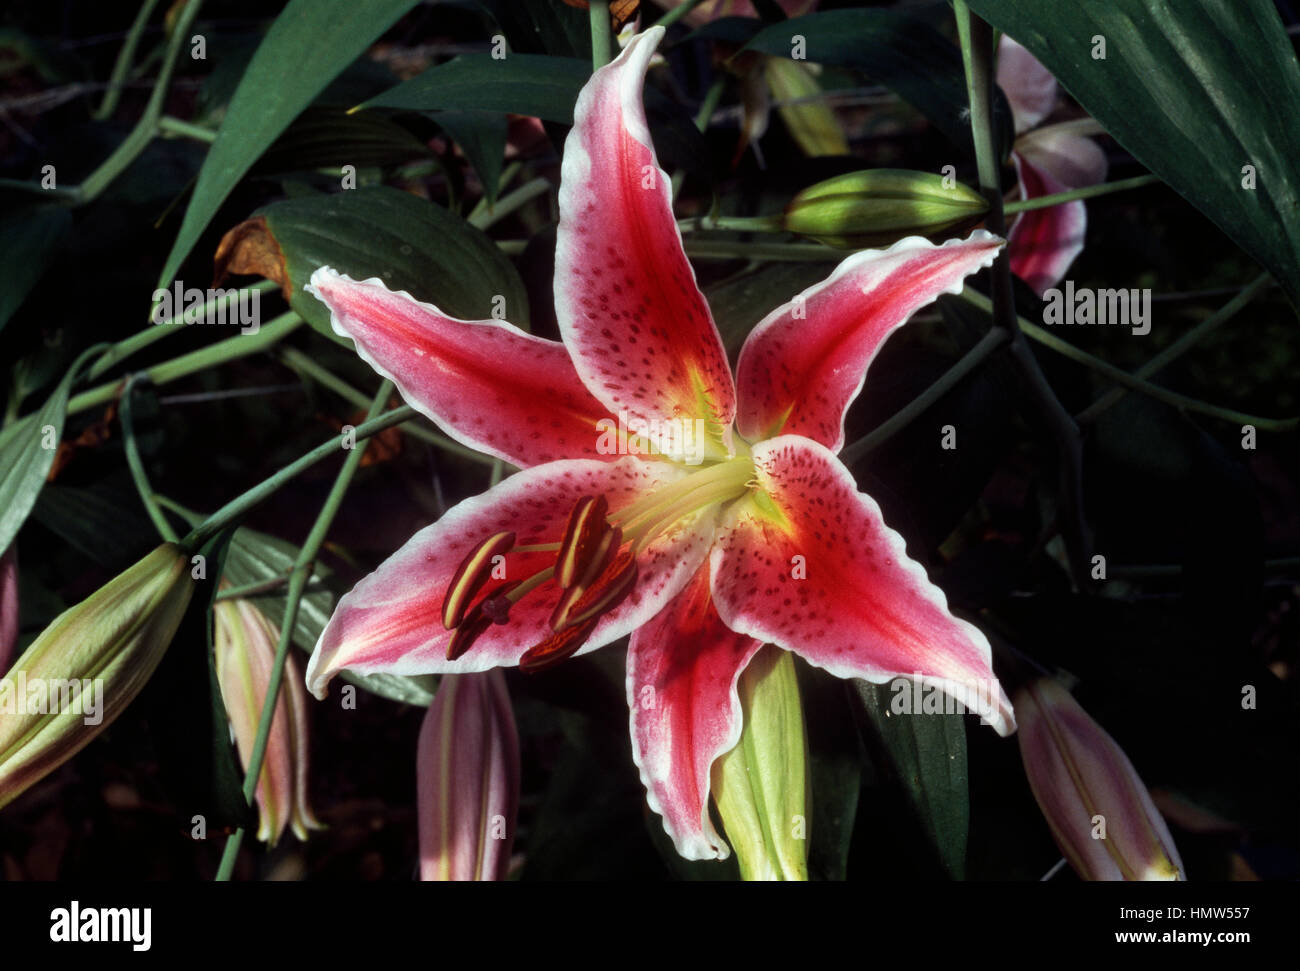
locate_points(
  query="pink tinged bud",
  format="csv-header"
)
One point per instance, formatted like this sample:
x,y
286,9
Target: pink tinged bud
x,y
245,643
8,606
1099,811
89,664
467,779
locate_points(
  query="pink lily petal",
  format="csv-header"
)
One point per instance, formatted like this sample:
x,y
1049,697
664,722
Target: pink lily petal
x,y
863,609
392,620
8,605
806,361
486,383
1043,243
1071,159
641,334
682,670
1028,85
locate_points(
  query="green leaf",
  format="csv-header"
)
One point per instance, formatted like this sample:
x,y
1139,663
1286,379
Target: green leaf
x,y
332,137
899,51
310,43
105,522
255,557
409,243
481,135
25,460
29,238
521,84
543,27
1194,93
927,756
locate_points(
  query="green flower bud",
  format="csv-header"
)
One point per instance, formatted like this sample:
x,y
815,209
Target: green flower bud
x,y
87,666
760,787
879,206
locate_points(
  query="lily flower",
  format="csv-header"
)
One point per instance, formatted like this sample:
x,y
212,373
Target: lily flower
x,y
1043,243
658,497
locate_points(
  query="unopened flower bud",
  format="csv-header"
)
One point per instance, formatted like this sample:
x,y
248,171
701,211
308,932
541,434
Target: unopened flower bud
x,y
760,787
1099,811
879,206
87,666
467,779
8,605
245,643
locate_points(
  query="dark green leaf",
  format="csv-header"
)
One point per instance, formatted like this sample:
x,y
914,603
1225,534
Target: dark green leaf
x,y
255,557
522,84
410,244
332,137
926,753
29,238
315,40
481,135
27,450
1195,94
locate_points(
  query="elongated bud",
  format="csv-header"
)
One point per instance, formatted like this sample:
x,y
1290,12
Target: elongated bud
x,y
244,642
760,787
8,606
467,779
1099,811
87,666
879,206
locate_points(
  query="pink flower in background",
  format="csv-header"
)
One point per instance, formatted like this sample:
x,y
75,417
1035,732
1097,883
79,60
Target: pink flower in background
x,y
8,606
1099,810
1043,243
659,497
467,780
244,644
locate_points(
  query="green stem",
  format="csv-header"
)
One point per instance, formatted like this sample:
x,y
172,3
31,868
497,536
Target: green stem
x,y
1180,346
677,13
509,203
238,507
977,57
302,571
230,349
702,118
123,63
147,126
481,207
172,325
136,465
972,359
175,126
306,365
600,34
738,224
1132,382
725,249
141,135
1087,192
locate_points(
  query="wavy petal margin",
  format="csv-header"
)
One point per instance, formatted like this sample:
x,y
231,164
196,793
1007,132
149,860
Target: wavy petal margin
x,y
814,569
